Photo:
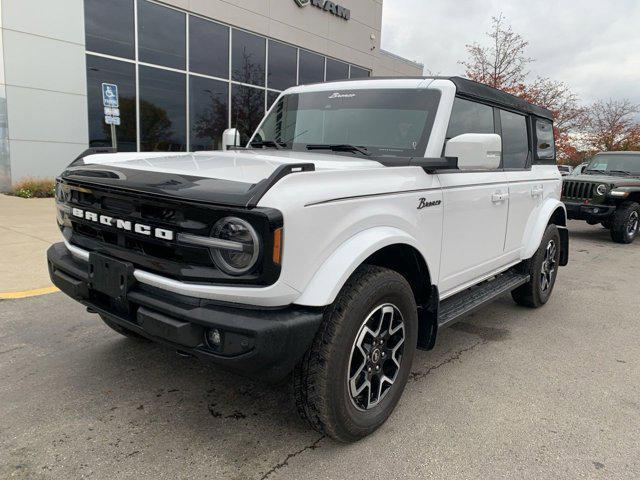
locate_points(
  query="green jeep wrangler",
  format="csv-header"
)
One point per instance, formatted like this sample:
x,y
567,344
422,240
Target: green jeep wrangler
x,y
607,192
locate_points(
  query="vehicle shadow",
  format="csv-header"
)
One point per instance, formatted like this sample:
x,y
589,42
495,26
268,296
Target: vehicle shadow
x,y
247,427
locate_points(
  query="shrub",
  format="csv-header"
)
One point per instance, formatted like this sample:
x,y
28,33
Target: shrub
x,y
34,188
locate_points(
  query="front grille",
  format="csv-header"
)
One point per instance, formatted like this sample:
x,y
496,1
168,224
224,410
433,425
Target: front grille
x,y
165,257
574,190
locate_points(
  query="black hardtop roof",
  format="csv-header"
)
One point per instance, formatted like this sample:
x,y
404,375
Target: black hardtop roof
x,y
479,91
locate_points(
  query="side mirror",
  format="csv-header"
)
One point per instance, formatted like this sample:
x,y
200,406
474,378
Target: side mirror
x,y
230,138
475,151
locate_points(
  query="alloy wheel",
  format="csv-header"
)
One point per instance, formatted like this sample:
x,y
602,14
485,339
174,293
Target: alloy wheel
x,y
549,265
376,356
633,224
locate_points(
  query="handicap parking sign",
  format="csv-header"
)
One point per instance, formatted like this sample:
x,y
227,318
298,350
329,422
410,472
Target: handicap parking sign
x,y
110,95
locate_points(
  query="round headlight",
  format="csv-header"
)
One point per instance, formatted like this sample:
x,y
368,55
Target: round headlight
x,y
601,189
243,248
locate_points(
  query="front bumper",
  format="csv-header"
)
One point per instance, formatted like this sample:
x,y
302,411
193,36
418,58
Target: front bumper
x,y
588,212
261,343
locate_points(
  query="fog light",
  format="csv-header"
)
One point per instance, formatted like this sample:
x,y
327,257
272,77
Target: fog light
x,y
214,337
596,210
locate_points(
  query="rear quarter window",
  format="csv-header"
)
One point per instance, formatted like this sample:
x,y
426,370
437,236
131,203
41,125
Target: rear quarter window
x,y
545,144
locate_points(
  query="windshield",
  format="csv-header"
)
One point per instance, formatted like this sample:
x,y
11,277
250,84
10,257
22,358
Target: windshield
x,y
620,163
380,122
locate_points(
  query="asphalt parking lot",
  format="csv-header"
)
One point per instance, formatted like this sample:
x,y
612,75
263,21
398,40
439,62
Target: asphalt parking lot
x,y
507,393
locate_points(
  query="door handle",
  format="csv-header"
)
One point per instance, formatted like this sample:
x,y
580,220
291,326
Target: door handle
x,y
537,191
499,197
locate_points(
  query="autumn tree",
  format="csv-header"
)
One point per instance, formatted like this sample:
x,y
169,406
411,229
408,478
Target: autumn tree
x,y
502,63
611,126
568,115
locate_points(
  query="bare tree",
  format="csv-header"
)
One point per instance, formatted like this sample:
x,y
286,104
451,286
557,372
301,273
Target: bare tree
x,y
502,63
612,126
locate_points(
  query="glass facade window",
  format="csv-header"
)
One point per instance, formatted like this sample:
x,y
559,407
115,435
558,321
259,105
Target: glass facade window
x,y
249,56
208,48
337,70
103,70
247,109
163,113
357,72
161,35
109,27
282,66
208,112
311,68
166,60
271,98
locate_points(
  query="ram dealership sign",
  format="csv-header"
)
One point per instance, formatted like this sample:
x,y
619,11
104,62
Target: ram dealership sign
x,y
327,6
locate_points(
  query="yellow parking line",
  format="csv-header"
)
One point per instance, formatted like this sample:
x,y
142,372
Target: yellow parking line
x,y
28,293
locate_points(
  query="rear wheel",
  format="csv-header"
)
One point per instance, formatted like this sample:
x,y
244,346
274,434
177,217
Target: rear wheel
x,y
123,331
543,269
352,377
626,223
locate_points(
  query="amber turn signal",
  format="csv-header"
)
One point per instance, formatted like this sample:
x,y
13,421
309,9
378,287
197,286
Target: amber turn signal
x,y
277,246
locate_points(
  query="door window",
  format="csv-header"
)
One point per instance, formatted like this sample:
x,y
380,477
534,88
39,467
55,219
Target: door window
x,y
515,140
470,117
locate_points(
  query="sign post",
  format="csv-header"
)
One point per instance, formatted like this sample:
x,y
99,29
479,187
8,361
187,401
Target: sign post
x,y
111,109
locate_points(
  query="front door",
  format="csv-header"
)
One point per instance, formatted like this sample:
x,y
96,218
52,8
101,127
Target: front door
x,y
476,206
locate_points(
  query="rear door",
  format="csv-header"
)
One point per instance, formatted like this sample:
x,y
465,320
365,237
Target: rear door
x,y
525,189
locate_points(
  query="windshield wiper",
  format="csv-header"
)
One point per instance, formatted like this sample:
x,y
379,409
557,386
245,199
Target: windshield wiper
x,y
267,144
340,148
629,174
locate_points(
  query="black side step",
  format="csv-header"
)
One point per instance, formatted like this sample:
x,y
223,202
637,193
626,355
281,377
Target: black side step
x,y
468,300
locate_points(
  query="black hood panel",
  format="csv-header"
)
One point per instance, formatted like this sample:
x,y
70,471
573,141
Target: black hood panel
x,y
177,186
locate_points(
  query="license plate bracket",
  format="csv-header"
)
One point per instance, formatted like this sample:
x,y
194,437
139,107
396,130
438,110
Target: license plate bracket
x,y
110,276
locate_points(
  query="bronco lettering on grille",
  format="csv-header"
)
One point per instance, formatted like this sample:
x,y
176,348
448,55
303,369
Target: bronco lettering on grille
x,y
127,225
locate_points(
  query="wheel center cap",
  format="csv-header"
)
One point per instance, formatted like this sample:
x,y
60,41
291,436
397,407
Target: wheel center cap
x,y
375,355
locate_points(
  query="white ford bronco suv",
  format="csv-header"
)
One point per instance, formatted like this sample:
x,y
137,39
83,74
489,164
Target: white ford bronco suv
x,y
360,219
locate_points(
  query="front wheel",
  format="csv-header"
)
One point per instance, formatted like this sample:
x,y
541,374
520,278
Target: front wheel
x,y
352,377
543,269
626,223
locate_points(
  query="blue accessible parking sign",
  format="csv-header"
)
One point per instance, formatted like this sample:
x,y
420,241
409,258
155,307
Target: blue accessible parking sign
x,y
110,95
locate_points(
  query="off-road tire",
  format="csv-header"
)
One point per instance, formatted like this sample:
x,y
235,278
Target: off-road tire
x,y
620,223
531,294
123,331
320,380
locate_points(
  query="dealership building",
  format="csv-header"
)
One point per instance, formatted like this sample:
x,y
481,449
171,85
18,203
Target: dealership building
x,y
185,70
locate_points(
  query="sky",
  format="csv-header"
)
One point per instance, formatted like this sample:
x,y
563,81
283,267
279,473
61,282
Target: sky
x,y
592,45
